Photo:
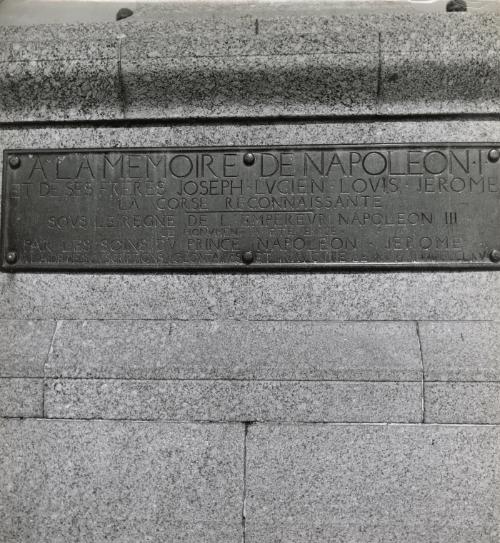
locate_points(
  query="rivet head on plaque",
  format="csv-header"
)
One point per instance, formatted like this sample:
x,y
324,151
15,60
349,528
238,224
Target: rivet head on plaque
x,y
494,155
248,257
248,159
14,162
495,255
11,257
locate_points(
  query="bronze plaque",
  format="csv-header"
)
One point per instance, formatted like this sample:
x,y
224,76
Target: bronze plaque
x,y
307,207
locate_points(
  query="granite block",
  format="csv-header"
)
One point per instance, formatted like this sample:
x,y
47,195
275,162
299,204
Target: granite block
x,y
279,296
21,397
372,483
59,90
461,351
436,82
24,347
222,400
252,86
98,481
250,66
462,403
272,350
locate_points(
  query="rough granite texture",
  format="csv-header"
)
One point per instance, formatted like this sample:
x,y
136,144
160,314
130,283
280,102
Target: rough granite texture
x,y
461,351
75,89
252,86
372,484
24,347
21,398
126,482
340,296
234,400
370,351
252,67
462,403
439,81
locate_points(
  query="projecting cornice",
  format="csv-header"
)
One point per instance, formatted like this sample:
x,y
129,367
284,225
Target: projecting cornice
x,y
310,66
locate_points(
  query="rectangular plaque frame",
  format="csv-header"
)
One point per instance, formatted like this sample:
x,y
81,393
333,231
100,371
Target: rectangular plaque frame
x,y
325,207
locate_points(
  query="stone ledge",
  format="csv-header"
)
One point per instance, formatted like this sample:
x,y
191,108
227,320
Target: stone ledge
x,y
280,296
223,401
270,350
305,66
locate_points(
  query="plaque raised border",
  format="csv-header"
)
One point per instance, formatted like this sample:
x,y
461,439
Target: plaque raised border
x,y
270,208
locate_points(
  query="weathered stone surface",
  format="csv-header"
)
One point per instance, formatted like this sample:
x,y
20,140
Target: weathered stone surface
x,y
372,484
234,400
440,82
461,351
439,63
236,350
449,33
271,65
261,71
123,481
69,73
21,397
252,85
22,46
66,34
58,90
339,296
320,33
215,28
24,347
462,403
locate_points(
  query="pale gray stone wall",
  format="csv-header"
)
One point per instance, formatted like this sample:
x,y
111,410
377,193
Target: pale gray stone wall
x,y
353,407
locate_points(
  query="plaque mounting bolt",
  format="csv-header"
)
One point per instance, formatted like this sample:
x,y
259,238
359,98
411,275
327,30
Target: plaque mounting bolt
x,y
248,257
495,255
11,257
14,162
248,159
494,155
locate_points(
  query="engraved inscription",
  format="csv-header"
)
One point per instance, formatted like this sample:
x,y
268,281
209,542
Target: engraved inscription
x,y
340,206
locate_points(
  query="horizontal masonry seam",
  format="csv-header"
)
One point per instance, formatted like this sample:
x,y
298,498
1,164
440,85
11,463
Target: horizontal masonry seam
x,y
264,120
225,380
254,422
333,52
242,321
246,380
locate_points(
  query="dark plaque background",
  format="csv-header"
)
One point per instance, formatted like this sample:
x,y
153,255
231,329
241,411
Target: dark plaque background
x,y
378,206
